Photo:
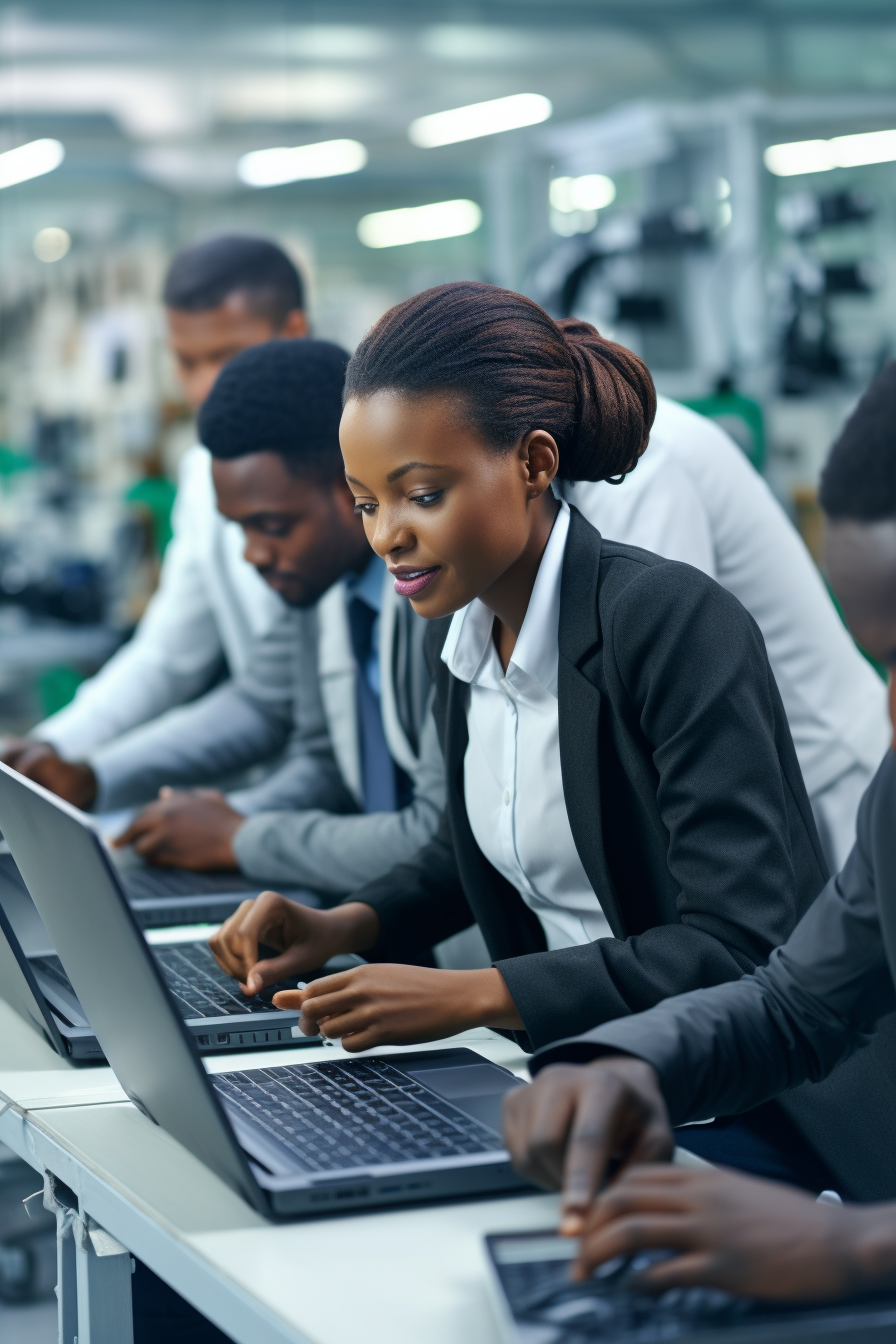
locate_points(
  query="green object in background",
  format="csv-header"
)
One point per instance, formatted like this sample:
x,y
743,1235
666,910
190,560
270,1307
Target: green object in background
x,y
56,687
156,494
12,461
739,416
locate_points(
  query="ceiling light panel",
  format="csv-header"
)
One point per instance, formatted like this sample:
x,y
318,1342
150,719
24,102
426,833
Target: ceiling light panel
x,y
821,156
478,119
274,167
419,224
32,160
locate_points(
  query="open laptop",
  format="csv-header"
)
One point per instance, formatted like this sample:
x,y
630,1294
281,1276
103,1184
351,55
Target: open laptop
x,y
536,1303
215,1011
292,1139
163,897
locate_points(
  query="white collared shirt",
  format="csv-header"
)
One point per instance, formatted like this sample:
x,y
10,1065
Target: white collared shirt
x,y
512,782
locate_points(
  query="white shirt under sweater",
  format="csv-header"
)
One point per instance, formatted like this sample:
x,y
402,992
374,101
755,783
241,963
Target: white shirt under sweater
x,y
512,781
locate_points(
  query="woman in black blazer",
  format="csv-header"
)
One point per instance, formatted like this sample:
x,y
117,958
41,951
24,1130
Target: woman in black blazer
x,y
657,824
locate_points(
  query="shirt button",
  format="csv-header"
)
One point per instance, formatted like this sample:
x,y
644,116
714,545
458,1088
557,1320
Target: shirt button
x,y
506,797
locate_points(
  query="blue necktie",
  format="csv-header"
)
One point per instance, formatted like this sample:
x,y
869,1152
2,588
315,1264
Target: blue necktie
x,y
378,782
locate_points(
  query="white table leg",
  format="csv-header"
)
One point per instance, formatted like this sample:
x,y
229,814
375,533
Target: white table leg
x,y
104,1268
66,1284
93,1284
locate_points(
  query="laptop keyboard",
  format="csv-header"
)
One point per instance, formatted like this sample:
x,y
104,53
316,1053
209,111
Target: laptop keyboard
x,y
200,987
353,1113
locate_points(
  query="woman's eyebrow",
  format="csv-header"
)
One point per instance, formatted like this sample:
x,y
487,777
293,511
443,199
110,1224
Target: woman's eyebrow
x,y
409,466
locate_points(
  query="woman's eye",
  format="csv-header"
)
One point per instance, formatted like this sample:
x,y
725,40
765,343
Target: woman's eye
x,y
426,501
364,507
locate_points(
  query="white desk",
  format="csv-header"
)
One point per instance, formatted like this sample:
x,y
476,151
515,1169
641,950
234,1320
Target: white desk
x,y
411,1276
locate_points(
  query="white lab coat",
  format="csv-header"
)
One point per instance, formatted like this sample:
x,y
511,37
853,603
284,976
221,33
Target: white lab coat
x,y
209,608
694,497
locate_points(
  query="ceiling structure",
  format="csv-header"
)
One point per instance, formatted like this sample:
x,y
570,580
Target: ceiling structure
x,y
176,92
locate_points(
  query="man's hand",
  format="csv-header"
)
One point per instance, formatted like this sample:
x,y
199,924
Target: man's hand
x,y
72,780
186,830
575,1122
305,938
400,1005
746,1236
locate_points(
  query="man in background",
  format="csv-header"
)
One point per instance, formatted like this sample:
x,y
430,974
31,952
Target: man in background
x,y
221,296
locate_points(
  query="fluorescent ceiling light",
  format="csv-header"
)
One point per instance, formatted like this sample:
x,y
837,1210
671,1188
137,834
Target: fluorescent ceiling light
x,y
468,123
592,191
31,160
328,158
820,156
852,151
419,223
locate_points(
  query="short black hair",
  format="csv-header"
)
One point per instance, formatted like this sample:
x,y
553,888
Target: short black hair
x,y
281,397
859,478
205,274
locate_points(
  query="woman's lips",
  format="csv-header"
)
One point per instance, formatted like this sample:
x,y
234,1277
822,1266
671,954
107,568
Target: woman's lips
x,y
410,582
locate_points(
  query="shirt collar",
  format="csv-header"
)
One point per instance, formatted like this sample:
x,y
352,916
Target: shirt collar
x,y
368,586
468,644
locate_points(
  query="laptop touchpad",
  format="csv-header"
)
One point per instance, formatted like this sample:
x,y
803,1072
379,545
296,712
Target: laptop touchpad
x,y
474,1088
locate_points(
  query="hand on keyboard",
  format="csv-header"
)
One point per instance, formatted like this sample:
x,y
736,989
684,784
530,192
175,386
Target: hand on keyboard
x,y
304,938
753,1238
400,1005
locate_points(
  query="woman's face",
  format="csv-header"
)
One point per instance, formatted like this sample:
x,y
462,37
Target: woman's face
x,y
449,517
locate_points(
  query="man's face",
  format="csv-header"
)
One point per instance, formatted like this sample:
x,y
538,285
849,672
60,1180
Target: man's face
x,y
861,562
301,534
202,343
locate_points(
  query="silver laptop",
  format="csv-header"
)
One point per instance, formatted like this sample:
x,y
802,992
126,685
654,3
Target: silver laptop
x,y
292,1139
214,1009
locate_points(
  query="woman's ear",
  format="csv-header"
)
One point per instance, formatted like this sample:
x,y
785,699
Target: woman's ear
x,y
539,452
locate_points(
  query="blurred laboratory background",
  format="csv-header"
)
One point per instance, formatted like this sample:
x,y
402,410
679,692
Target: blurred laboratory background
x,y
712,182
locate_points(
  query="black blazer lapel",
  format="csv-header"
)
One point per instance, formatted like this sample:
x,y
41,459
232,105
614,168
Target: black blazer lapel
x,y
579,708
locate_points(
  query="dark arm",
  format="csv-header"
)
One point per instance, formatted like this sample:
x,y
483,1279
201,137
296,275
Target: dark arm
x,y
723,1050
419,902
685,672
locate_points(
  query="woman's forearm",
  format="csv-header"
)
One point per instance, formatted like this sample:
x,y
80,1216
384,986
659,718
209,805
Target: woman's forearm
x,y
494,1006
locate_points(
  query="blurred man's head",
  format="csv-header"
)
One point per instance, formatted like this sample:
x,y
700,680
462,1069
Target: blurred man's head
x,y
271,423
858,494
223,295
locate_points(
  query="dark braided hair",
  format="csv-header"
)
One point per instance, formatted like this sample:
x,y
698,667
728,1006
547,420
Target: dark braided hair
x,y
516,370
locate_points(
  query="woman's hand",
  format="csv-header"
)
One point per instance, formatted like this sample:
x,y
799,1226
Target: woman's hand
x,y
746,1236
305,938
400,1005
574,1121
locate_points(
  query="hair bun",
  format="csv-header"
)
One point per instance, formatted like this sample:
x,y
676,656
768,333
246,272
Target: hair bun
x,y
616,406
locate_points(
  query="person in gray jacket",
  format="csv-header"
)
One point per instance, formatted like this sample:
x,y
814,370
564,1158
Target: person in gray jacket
x,y
339,684
826,996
